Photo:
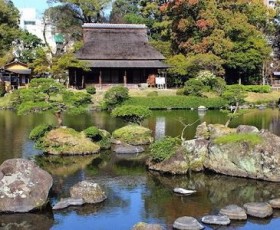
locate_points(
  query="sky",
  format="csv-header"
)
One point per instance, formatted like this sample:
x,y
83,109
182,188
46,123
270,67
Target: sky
x,y
40,5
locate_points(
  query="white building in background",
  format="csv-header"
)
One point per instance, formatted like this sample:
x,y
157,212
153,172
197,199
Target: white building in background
x,y
30,21
270,3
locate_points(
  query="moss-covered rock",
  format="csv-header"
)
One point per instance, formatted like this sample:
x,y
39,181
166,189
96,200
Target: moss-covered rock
x,y
67,141
133,135
177,163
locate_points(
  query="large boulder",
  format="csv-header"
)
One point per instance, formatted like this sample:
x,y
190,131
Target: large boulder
x,y
88,191
23,186
240,158
178,163
197,152
132,135
68,142
218,130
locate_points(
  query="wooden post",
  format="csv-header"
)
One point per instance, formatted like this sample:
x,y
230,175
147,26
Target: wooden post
x,y
125,78
18,81
100,79
83,81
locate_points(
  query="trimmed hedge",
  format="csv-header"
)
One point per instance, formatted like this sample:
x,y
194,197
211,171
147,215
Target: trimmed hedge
x,y
132,113
176,102
258,88
254,88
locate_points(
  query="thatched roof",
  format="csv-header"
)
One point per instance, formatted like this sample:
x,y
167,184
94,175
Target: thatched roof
x,y
123,42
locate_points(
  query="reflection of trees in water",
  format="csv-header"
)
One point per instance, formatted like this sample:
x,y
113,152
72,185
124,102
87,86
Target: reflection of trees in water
x,y
27,221
213,193
275,124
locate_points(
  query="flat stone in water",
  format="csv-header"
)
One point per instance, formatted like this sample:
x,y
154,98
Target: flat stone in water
x,y
234,212
183,191
128,149
64,203
214,219
187,223
275,203
260,209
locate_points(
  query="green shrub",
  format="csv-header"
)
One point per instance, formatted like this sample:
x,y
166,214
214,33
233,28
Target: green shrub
x,y
180,91
133,134
2,89
218,85
115,96
39,131
93,133
91,90
132,113
164,148
234,94
258,88
152,94
194,87
251,138
100,136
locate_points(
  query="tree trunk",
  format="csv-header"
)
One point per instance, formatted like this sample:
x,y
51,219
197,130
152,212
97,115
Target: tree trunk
x,y
58,116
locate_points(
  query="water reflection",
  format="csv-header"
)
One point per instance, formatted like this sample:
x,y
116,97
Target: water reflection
x,y
134,194
27,221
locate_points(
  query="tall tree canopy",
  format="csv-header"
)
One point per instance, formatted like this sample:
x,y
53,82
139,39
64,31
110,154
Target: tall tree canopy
x,y
25,46
232,30
9,30
86,11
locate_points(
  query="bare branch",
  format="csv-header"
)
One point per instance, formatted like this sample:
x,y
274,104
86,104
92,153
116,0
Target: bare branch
x,y
185,126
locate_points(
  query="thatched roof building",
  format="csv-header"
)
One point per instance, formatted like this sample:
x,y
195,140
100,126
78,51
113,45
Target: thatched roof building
x,y
116,53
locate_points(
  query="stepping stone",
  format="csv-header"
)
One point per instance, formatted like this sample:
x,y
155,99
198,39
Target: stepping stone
x,y
275,203
214,219
184,191
234,212
260,209
145,226
187,223
64,203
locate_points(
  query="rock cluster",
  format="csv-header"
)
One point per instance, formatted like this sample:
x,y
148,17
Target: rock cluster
x,y
228,213
23,186
238,154
81,193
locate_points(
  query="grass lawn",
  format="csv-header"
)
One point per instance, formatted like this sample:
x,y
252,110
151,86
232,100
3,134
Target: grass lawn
x,y
263,97
5,101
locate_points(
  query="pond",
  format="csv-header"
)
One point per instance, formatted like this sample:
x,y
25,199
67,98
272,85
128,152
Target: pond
x,y
134,194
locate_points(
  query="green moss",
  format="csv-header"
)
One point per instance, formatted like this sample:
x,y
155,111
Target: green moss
x,y
67,141
164,148
133,134
251,138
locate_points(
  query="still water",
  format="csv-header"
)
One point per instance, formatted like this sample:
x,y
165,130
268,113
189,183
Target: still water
x,y
134,194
